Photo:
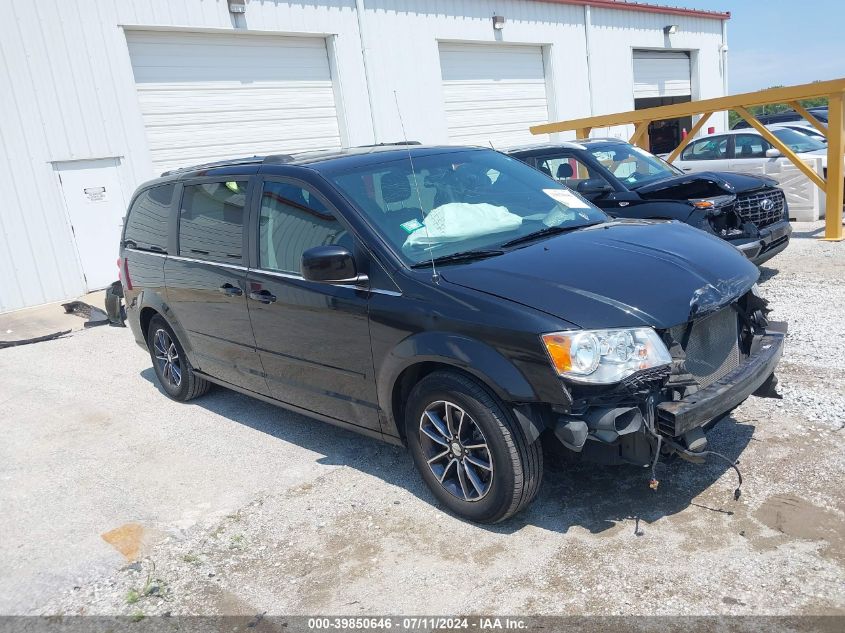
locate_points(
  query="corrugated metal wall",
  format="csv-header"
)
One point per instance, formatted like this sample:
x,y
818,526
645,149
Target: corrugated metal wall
x,y
67,93
614,36
405,55
67,90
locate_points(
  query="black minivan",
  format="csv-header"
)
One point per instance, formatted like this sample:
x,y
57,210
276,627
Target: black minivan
x,y
451,299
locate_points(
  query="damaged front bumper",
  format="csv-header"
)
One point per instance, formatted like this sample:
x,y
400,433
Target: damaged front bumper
x,y
667,409
769,241
708,405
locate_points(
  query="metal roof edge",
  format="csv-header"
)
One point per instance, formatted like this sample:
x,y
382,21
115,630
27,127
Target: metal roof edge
x,y
646,8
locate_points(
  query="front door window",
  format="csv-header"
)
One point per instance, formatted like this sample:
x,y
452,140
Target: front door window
x,y
292,220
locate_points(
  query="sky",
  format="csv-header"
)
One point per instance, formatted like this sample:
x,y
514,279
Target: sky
x,y
780,42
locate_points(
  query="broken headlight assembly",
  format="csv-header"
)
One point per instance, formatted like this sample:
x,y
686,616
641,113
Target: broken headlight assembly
x,y
714,204
605,357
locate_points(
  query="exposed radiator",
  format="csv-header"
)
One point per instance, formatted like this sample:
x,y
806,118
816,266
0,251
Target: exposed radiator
x,y
713,347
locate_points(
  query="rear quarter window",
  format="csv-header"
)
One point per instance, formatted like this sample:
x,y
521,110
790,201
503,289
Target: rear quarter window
x,y
148,218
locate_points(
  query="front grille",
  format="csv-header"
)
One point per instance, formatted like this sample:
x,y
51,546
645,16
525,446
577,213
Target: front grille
x,y
750,207
712,350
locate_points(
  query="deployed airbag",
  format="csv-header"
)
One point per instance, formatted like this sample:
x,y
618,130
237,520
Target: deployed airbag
x,y
458,221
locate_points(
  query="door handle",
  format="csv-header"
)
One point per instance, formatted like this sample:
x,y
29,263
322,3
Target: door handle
x,y
264,296
687,168
229,290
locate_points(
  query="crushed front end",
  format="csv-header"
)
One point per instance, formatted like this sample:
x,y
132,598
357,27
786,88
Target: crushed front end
x,y
748,211
718,358
756,222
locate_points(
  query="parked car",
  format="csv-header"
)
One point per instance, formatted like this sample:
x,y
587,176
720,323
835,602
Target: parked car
x,y
750,212
819,113
743,150
806,129
450,299
786,116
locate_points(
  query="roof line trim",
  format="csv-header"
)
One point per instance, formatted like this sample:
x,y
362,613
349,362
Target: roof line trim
x,y
646,8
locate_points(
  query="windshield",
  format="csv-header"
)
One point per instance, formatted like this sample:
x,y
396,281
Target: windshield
x,y
459,201
633,166
798,142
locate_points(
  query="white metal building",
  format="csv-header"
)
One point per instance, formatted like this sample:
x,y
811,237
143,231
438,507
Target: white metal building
x,y
97,96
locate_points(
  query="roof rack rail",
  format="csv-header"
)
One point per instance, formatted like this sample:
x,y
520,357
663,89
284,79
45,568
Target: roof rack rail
x,y
277,158
393,143
219,163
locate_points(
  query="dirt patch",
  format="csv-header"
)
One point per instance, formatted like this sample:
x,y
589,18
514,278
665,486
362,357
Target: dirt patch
x,y
130,539
798,518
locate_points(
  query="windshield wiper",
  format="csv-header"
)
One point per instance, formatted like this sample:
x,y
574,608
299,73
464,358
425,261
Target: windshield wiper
x,y
463,256
549,230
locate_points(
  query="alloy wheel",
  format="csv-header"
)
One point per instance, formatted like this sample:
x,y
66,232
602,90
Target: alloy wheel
x,y
167,357
456,451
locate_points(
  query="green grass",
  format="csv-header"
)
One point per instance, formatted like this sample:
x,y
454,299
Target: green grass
x,y
237,542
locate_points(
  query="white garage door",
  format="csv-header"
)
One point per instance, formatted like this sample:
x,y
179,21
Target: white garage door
x,y
209,96
493,93
661,74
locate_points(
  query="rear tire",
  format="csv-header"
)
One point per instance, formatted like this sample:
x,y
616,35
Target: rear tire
x,y
469,449
170,363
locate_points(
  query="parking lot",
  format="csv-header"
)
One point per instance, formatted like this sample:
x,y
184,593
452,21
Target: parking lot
x,y
116,500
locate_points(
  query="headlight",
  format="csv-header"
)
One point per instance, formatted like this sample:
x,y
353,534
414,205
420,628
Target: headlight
x,y
605,356
712,204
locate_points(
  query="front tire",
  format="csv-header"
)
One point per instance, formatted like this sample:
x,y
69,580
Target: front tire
x,y
174,372
470,451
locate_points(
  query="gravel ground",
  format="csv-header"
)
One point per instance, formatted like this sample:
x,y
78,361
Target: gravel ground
x,y
118,501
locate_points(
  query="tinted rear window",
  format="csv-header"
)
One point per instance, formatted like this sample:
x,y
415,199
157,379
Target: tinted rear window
x,y
146,226
211,221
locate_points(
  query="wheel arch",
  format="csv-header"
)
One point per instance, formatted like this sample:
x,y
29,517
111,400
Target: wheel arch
x,y
146,315
159,308
421,354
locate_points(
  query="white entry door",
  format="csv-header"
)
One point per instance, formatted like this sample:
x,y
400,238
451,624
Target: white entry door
x,y
95,206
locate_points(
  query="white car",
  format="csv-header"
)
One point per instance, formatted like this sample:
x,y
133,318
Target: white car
x,y
801,128
746,150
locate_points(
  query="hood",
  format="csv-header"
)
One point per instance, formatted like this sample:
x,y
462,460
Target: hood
x,y
626,273
704,184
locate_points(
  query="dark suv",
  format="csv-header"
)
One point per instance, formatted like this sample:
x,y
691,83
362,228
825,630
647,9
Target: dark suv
x,y
451,299
749,211
787,116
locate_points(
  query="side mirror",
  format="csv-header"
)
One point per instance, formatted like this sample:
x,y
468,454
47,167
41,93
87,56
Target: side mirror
x,y
593,186
773,153
330,264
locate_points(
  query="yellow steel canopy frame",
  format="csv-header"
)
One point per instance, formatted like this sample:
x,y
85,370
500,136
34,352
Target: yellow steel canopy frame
x,y
834,90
